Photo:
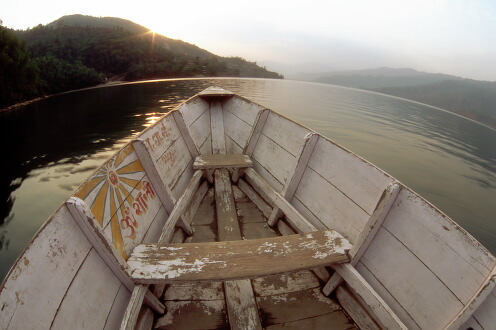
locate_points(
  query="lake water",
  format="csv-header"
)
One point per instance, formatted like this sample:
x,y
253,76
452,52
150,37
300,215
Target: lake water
x,y
51,146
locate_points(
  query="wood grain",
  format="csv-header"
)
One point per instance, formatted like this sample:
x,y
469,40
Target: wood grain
x,y
243,109
227,161
246,258
217,124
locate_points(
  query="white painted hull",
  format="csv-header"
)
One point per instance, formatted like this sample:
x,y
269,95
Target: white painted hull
x,y
429,273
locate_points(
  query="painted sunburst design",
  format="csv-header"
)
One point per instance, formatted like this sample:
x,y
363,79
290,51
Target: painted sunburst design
x,y
111,194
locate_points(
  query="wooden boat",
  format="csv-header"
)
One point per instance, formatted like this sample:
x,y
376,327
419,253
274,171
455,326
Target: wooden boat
x,y
227,214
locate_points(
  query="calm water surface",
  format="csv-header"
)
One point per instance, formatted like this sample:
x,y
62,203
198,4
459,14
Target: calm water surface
x,y
51,146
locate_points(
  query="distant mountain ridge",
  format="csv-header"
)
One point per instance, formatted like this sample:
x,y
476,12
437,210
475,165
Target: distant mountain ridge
x,y
108,22
382,77
470,98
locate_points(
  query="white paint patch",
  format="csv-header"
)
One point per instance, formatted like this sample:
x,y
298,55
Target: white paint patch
x,y
321,255
176,268
170,248
310,245
266,247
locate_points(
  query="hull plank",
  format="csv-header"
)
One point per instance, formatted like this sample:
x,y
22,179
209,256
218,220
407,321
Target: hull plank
x,y
419,228
484,315
114,318
159,138
97,302
359,181
405,277
200,130
193,109
173,163
206,147
332,208
236,129
232,147
244,110
274,159
48,266
181,184
277,127
445,261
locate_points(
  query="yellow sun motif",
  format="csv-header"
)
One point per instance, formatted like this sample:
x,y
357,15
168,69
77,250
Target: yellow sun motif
x,y
108,193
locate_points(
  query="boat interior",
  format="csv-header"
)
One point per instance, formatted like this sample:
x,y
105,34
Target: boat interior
x,y
225,214
288,300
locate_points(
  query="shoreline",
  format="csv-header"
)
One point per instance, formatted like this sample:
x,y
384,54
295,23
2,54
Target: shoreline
x,y
21,104
119,82
24,103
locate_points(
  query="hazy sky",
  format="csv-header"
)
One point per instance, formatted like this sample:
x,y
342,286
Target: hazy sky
x,y
452,36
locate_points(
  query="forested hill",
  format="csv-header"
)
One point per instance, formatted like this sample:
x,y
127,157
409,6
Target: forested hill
x,y
470,98
80,51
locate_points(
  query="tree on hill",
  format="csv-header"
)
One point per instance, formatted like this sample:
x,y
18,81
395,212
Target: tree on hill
x,y
80,51
19,73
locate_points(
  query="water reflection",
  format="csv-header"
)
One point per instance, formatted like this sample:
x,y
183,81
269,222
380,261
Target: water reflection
x,y
55,144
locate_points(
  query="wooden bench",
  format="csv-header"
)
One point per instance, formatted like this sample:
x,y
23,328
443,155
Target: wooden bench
x,y
237,162
229,260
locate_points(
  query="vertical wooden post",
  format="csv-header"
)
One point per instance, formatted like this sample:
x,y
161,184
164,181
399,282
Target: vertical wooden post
x,y
370,230
256,131
162,190
181,125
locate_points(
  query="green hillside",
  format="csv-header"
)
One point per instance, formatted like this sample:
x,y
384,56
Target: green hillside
x,y
80,51
177,46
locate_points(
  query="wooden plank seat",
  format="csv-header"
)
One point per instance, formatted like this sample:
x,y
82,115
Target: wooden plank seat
x,y
237,162
241,259
222,161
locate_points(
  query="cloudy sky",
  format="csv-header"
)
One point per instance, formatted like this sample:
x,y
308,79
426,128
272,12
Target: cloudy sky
x,y
449,36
